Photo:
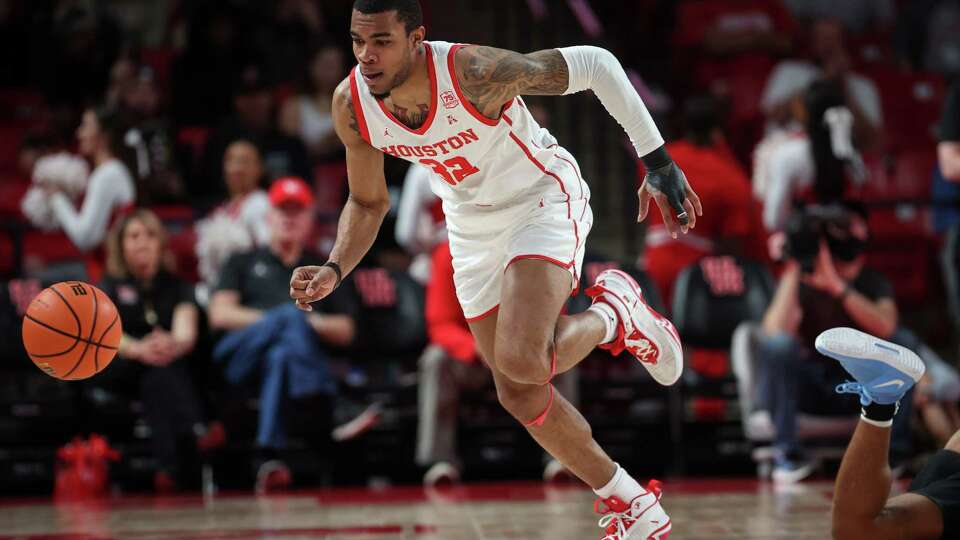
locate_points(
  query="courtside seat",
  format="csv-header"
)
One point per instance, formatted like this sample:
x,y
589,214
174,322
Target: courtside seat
x,y
711,297
391,306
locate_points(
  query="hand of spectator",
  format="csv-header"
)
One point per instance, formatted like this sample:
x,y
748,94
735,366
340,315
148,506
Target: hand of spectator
x,y
668,186
311,283
825,276
776,244
159,348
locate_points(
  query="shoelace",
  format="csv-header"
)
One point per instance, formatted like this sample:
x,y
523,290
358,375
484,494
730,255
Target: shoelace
x,y
855,388
615,524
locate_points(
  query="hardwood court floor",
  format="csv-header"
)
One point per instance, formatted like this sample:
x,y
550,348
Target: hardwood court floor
x,y
714,509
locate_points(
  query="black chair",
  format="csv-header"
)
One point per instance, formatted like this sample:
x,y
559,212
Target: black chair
x,y
594,264
711,298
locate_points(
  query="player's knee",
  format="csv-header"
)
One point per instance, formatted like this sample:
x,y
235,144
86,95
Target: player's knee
x,y
521,401
524,363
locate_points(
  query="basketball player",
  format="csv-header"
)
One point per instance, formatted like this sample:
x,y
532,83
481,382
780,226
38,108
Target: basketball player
x,y
930,510
517,213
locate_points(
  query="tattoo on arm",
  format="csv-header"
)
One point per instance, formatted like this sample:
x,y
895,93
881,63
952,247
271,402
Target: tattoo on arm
x,y
490,77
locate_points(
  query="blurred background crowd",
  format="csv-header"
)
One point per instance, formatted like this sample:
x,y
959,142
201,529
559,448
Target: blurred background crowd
x,y
181,154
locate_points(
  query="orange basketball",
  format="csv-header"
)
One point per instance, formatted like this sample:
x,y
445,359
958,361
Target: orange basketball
x,y
72,330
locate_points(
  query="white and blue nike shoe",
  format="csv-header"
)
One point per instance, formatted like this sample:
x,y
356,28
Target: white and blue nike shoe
x,y
884,371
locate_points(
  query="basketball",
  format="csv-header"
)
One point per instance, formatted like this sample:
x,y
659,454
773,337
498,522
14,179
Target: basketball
x,y
72,330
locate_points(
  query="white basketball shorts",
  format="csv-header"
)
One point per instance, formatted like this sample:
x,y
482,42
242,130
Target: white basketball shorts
x,y
551,226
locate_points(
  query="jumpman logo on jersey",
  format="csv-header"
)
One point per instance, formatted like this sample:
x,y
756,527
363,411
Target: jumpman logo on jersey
x,y
451,120
386,132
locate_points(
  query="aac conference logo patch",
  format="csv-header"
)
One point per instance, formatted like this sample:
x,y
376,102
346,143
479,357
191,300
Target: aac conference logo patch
x,y
449,99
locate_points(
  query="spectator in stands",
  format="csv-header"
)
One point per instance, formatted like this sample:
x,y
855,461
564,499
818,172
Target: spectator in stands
x,y
307,115
449,365
254,118
150,136
831,61
203,75
857,16
239,223
834,289
927,37
728,47
293,27
160,326
269,340
809,164
948,151
82,46
110,189
710,166
938,392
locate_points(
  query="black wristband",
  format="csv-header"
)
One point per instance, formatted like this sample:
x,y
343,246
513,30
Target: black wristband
x,y
880,413
657,159
337,270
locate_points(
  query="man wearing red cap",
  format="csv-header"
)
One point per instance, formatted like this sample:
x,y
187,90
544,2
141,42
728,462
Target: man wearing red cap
x,y
283,348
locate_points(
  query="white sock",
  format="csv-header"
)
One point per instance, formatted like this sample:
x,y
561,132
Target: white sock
x,y
610,320
622,485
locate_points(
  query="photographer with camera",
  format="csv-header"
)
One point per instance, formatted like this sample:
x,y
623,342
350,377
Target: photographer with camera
x,y
825,284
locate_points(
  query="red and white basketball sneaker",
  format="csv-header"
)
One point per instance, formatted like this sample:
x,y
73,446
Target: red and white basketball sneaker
x,y
644,333
642,519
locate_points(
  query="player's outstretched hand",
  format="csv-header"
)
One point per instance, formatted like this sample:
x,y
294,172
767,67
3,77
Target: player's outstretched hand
x,y
678,203
311,283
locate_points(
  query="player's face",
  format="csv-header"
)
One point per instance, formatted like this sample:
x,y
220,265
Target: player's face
x,y
384,50
141,248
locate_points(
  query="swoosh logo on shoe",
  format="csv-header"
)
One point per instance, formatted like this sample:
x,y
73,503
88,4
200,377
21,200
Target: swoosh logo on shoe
x,y
886,348
896,382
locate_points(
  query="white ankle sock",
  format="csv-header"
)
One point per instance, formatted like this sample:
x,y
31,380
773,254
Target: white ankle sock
x,y
622,485
609,317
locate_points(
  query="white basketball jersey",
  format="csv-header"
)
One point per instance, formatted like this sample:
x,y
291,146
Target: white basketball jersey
x,y
476,162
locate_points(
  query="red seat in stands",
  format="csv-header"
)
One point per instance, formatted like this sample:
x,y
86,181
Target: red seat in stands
x,y
902,248
49,247
911,106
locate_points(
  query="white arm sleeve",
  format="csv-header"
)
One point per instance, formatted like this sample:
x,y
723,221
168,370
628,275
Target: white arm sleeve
x,y
87,228
593,68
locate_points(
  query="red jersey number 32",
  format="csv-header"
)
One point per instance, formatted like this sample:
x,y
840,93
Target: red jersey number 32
x,y
452,170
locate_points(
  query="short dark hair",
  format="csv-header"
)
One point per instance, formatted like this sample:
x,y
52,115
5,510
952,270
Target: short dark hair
x,y
702,114
408,11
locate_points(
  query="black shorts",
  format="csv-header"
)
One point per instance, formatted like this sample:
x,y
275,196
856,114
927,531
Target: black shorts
x,y
939,481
